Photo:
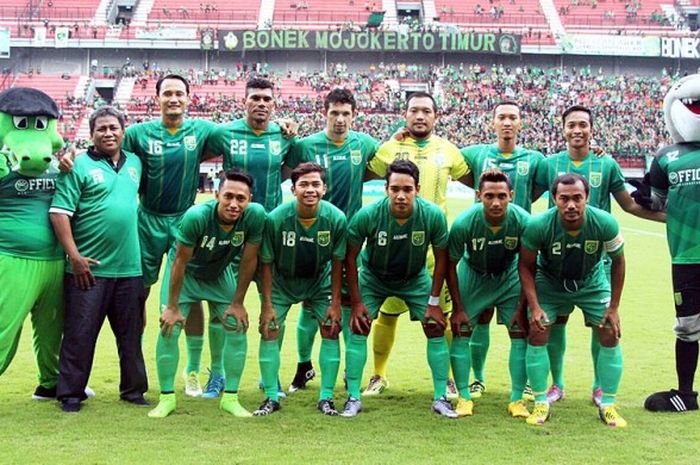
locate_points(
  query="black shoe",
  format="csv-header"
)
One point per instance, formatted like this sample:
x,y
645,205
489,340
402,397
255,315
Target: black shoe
x,y
42,393
138,401
70,406
305,373
268,407
672,401
327,407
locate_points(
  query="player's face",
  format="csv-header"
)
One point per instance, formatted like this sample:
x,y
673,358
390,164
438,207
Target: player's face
x,y
577,129
420,117
107,135
401,189
173,98
570,200
233,197
259,104
339,119
309,189
507,122
495,196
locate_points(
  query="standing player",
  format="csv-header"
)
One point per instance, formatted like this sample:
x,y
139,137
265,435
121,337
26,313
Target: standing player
x,y
520,164
344,155
302,259
438,161
210,235
483,274
604,177
571,241
398,230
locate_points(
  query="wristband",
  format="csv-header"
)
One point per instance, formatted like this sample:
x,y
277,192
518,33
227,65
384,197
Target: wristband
x,y
434,300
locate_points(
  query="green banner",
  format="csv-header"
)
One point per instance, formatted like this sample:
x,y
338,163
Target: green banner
x,y
371,41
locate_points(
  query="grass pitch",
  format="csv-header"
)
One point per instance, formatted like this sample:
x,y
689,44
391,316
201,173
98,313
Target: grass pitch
x,y
396,427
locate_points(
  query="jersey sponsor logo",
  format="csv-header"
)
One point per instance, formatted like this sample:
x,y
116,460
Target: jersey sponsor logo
x,y
510,242
399,237
133,174
238,238
504,166
324,238
595,179
356,157
190,142
338,157
590,247
98,176
418,238
573,245
308,239
684,177
173,144
439,159
523,168
672,156
495,242
275,147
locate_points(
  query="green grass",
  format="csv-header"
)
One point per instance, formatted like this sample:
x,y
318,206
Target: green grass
x,y
396,427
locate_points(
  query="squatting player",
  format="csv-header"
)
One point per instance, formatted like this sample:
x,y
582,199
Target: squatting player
x,y
483,273
571,241
209,237
302,260
398,230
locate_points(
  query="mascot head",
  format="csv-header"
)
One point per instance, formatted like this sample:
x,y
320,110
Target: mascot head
x,y
682,109
28,132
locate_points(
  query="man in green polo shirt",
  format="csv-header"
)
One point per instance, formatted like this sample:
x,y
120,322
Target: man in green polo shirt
x,y
94,215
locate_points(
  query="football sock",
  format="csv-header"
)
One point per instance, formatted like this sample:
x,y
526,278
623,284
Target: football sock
x,y
329,361
383,341
269,359
236,346
556,347
280,338
306,333
194,353
479,345
355,359
686,364
167,357
595,350
610,368
537,363
461,362
345,322
439,362
516,367
216,346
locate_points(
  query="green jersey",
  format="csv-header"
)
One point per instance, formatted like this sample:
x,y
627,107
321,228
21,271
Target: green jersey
x,y
170,163
520,166
602,173
214,247
345,165
397,252
301,251
258,153
25,228
573,255
102,202
486,248
675,175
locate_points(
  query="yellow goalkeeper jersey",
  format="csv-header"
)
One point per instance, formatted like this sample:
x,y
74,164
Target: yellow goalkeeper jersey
x,y
437,159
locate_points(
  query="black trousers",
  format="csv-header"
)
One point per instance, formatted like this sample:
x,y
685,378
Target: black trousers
x,y
121,301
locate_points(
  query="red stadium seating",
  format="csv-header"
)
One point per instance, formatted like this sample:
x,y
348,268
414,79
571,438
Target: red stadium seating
x,y
319,14
220,14
611,16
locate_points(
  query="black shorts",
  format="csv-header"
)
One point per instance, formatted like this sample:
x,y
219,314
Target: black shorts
x,y
686,289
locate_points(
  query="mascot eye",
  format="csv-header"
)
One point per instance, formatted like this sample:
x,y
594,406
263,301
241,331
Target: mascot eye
x,y
41,123
20,122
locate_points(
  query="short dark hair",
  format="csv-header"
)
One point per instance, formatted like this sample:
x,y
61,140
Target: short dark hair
x,y
306,168
494,175
574,108
259,83
159,83
339,95
106,111
403,167
569,179
238,175
503,103
420,94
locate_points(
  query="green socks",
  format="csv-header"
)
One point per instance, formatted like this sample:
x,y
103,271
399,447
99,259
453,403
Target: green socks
x,y
194,353
167,357
236,346
306,333
355,359
479,345
345,322
216,346
329,360
439,362
269,359
461,363
517,368
595,350
537,362
556,347
610,369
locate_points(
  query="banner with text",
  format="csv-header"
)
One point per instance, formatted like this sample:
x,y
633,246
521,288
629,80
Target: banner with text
x,y
680,47
371,41
4,42
610,45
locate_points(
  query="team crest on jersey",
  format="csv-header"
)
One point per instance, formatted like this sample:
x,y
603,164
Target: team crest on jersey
x,y
590,247
21,185
133,174
523,168
97,175
418,238
323,238
596,179
439,159
275,147
356,157
190,142
238,238
510,242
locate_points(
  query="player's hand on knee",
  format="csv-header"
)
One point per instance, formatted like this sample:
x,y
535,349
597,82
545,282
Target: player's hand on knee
x,y
239,315
538,319
611,317
520,319
170,318
269,327
330,326
460,324
360,321
434,322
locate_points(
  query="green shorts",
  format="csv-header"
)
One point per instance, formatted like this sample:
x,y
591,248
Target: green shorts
x,y
479,292
412,294
289,291
557,297
156,236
